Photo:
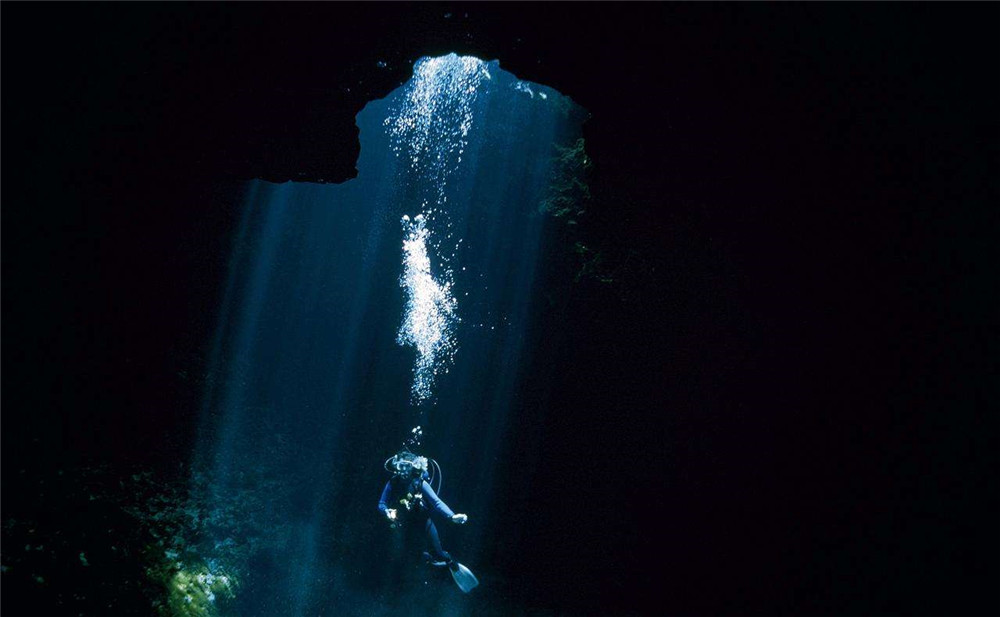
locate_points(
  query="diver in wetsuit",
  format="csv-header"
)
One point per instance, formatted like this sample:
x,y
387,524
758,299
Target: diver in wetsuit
x,y
408,500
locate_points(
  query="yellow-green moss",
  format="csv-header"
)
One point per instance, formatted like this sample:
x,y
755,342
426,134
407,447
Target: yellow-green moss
x,y
196,592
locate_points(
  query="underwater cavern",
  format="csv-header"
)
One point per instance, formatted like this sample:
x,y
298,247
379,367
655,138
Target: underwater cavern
x,y
488,309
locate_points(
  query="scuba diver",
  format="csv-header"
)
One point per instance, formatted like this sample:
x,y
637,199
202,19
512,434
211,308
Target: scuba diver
x,y
409,501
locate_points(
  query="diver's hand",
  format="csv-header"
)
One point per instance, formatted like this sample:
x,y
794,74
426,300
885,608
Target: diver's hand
x,y
390,514
459,519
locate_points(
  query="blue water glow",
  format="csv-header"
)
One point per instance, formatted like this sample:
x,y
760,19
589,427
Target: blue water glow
x,y
354,313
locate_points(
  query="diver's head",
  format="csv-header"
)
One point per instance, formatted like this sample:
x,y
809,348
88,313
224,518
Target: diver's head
x,y
406,464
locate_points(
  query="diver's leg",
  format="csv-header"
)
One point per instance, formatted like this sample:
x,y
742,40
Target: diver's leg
x,y
434,542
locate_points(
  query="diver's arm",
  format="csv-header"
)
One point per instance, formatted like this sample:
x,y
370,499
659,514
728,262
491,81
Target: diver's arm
x,y
439,507
383,502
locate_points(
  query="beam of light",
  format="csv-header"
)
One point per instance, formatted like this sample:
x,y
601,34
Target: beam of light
x,y
307,373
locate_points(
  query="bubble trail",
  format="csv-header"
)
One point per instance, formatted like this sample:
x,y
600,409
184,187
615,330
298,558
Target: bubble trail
x,y
429,317
431,128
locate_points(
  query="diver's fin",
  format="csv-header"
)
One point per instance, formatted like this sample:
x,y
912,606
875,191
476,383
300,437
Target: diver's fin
x,y
464,577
